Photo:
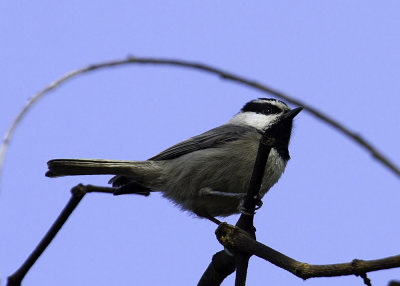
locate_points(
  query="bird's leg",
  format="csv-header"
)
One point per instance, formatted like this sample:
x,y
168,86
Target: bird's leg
x,y
207,216
213,219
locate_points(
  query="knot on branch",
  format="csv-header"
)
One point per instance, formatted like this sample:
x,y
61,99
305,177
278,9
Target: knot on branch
x,y
357,266
79,190
226,234
302,270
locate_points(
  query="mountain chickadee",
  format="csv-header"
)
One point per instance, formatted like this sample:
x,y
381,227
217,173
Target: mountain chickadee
x,y
207,174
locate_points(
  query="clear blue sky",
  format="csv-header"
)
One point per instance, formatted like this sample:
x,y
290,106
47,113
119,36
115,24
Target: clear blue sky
x,y
333,204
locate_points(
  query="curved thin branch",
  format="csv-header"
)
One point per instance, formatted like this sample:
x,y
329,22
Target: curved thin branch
x,y
234,238
206,68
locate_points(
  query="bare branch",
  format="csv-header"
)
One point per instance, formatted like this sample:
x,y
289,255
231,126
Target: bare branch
x,y
242,264
234,238
78,193
252,197
250,201
221,266
202,67
366,280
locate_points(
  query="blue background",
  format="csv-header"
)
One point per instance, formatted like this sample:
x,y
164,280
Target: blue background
x,y
333,204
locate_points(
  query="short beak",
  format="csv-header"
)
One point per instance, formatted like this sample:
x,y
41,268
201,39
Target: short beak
x,y
291,113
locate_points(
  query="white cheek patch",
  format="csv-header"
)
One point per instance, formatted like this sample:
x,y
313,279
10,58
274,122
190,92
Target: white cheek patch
x,y
256,120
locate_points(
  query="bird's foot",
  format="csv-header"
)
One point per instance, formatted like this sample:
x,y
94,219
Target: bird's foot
x,y
244,211
132,188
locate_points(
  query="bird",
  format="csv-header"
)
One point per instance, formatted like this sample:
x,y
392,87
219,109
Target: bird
x,y
207,174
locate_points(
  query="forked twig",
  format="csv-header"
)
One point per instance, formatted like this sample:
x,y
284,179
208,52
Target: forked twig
x,y
77,195
78,192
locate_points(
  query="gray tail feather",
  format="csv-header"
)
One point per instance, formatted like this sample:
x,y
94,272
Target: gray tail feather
x,y
72,167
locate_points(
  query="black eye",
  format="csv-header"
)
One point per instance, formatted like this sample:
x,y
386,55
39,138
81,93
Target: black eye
x,y
268,110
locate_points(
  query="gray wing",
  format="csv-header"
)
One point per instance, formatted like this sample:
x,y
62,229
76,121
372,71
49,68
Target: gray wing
x,y
209,139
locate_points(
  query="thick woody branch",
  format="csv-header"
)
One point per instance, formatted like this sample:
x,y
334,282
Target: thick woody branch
x,y
234,238
221,266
